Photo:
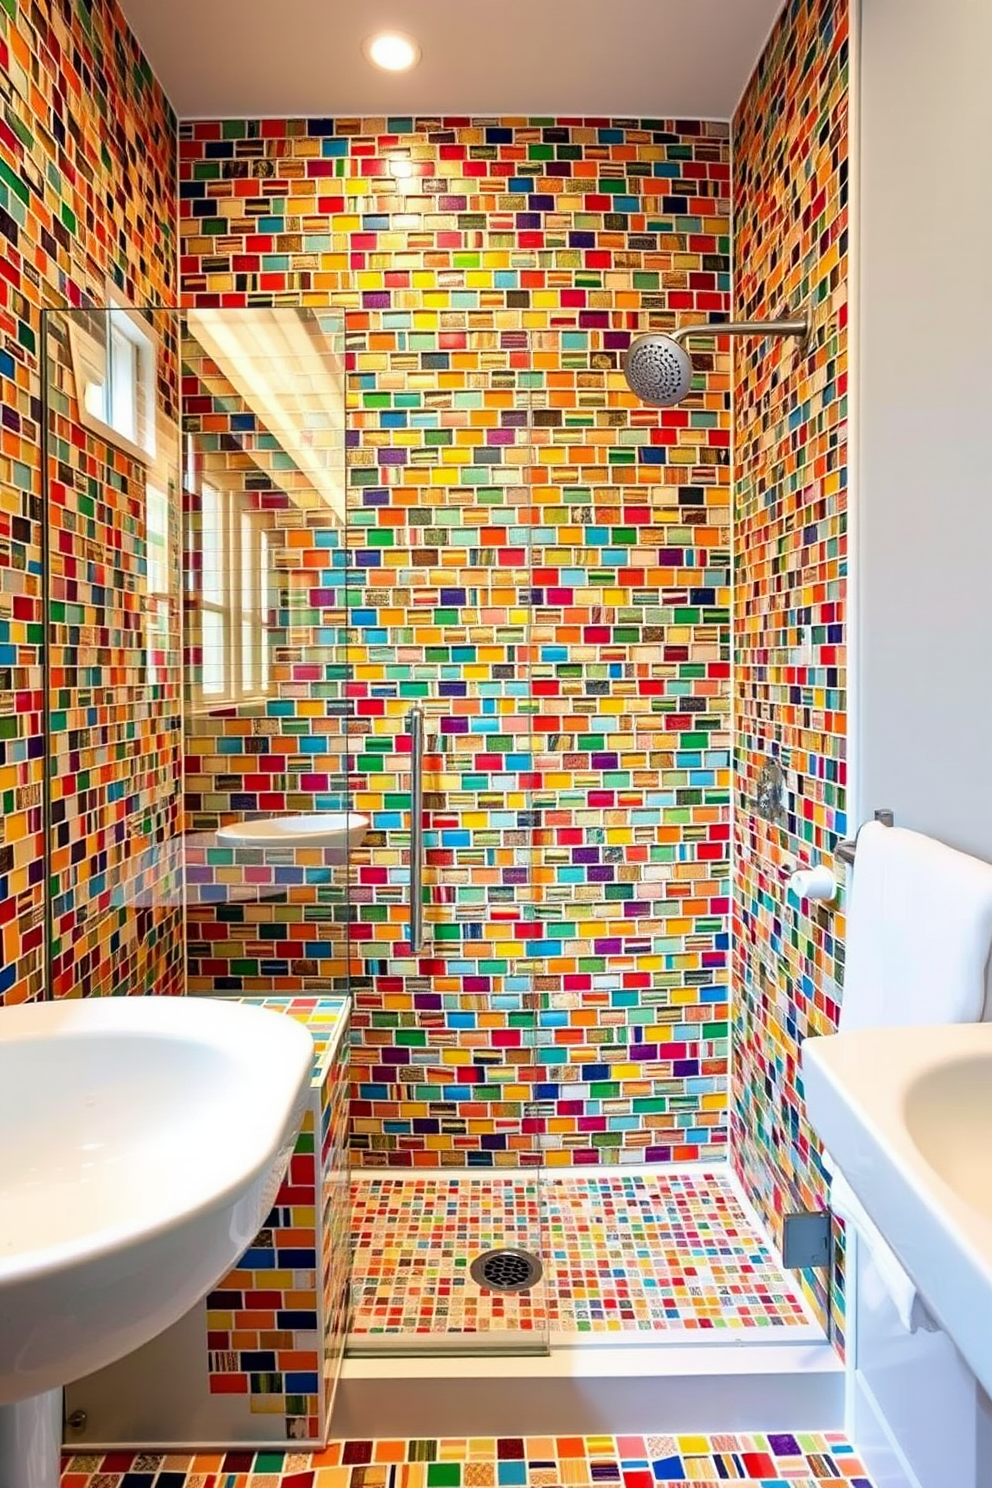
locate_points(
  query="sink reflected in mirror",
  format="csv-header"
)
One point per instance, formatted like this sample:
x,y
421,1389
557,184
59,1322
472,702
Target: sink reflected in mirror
x,y
325,829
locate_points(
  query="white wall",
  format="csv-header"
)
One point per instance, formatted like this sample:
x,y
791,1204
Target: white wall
x,y
922,565
922,571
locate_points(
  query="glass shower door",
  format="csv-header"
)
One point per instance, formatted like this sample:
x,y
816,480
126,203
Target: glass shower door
x,y
194,607
449,1205
266,783
266,788
317,615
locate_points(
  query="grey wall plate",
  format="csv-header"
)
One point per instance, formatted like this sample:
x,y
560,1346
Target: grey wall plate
x,y
769,794
806,1239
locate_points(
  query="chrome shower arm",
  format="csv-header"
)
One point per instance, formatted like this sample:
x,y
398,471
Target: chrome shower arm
x,y
802,328
658,368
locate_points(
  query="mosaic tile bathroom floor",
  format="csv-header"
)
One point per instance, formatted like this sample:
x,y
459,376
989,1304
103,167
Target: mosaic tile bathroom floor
x,y
761,1460
623,1252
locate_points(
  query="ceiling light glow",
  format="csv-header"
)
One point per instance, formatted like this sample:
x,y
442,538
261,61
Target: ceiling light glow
x,y
392,50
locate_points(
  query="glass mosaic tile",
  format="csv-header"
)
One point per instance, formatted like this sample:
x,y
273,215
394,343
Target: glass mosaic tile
x,y
772,1459
115,685
622,1253
790,576
87,193
285,1302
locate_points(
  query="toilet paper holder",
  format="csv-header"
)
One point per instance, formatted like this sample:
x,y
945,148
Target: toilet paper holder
x,y
818,882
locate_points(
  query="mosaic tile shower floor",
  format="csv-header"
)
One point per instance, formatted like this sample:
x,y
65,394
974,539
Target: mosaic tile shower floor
x,y
623,1253
761,1460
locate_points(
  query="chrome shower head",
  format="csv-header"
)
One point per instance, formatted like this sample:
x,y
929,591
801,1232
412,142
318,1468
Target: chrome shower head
x,y
658,368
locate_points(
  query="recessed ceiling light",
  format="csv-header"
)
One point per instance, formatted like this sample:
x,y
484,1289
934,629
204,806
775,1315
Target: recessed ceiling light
x,y
392,50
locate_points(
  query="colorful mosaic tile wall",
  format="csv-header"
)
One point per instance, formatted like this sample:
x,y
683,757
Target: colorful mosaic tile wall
x,y
115,693
807,1459
86,193
791,247
544,562
276,1324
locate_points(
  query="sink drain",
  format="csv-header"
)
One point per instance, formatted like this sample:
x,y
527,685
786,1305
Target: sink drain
x,y
506,1270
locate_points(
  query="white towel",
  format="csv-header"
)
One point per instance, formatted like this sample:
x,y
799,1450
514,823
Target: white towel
x,y
919,929
899,1286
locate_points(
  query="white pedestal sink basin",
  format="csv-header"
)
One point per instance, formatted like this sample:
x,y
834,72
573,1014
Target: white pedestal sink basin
x,y
325,829
142,1142
907,1115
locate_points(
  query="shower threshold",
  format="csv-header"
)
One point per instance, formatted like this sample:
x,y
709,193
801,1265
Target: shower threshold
x,y
593,1390
661,1295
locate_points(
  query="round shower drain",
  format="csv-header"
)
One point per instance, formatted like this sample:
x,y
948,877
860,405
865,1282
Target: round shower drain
x,y
506,1270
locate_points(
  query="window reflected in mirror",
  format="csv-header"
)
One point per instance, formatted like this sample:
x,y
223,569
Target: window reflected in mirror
x,y
237,599
263,418
115,354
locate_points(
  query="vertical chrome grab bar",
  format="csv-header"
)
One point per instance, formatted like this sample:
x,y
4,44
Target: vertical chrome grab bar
x,y
415,727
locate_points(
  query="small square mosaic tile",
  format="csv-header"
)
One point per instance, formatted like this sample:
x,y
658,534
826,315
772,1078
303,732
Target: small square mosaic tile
x,y
755,1460
622,1253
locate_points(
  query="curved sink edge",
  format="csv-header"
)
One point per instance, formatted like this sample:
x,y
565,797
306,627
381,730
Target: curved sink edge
x,y
68,1320
920,1215
116,1239
161,1284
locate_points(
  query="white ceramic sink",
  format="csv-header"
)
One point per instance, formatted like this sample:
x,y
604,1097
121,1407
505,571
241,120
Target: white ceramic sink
x,y
907,1115
142,1142
326,829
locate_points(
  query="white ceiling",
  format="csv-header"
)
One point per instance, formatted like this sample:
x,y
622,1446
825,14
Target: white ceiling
x,y
619,58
